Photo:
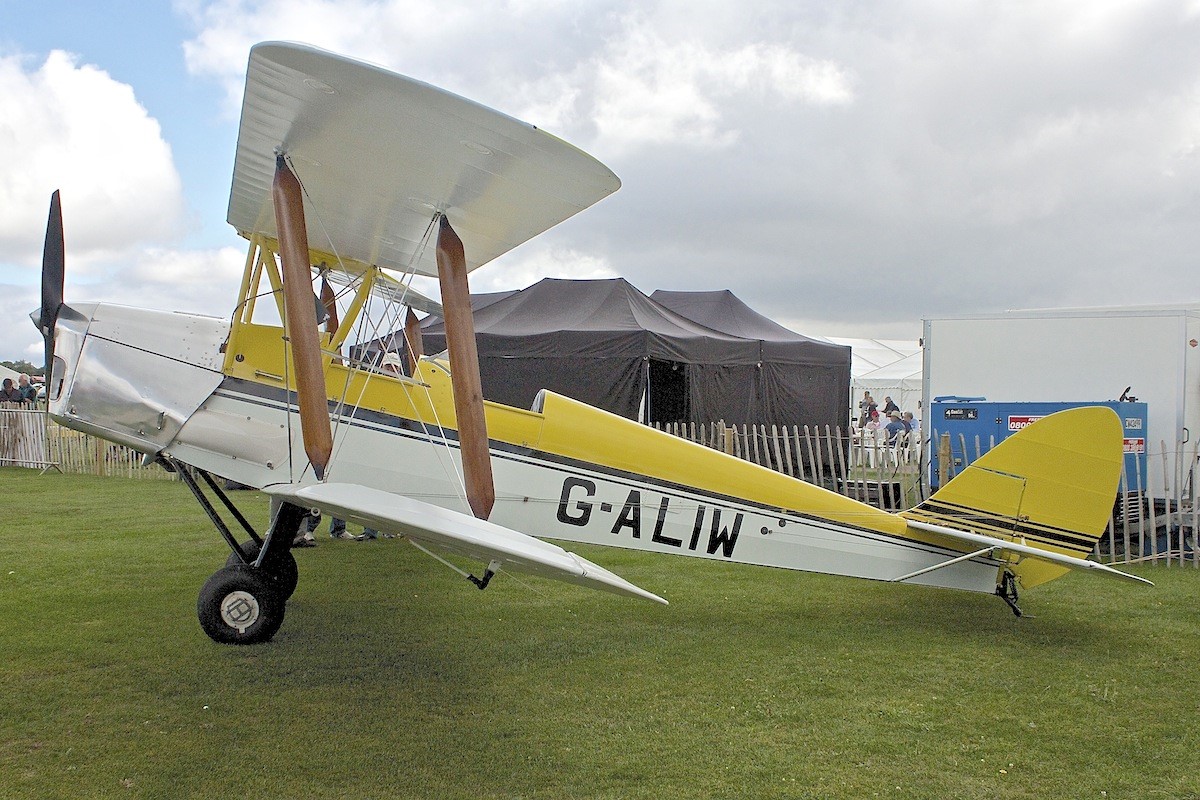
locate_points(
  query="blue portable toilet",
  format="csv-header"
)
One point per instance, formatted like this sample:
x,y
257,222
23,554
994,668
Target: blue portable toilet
x,y
976,426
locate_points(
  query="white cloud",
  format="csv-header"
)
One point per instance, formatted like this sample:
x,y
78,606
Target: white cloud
x,y
388,33
653,91
866,164
70,126
535,261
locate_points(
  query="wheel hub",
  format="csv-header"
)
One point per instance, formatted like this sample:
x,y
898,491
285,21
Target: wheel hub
x,y
240,610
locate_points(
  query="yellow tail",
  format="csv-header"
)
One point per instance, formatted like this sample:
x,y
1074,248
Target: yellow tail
x,y
1050,486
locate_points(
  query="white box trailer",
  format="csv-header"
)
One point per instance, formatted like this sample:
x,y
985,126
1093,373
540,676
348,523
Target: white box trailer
x,y
1070,355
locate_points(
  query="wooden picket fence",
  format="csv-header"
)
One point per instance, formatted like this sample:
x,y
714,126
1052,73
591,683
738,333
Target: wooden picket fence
x,y
863,466
27,440
894,477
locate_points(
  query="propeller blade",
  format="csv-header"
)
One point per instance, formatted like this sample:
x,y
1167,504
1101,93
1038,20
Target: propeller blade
x,y
464,363
301,312
53,277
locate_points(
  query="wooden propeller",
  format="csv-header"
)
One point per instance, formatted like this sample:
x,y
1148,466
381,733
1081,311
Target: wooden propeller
x,y
464,360
301,313
53,276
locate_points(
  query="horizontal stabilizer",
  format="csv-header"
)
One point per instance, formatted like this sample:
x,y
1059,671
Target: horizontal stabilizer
x,y
1000,546
455,531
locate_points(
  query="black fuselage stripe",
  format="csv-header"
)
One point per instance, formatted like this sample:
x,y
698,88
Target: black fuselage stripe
x,y
975,518
276,398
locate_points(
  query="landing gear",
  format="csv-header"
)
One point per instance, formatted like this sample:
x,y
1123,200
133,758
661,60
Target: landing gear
x,y
244,602
281,569
240,605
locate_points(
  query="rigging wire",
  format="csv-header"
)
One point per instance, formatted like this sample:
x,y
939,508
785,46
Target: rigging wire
x,y
448,465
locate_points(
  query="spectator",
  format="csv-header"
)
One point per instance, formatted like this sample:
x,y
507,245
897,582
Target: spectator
x,y
868,410
889,406
27,389
895,427
337,530
10,393
391,365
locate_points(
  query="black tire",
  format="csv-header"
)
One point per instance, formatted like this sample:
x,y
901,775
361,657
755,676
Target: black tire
x,y
240,605
281,569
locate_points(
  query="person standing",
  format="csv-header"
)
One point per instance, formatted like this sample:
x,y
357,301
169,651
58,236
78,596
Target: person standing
x,y
868,410
9,392
26,388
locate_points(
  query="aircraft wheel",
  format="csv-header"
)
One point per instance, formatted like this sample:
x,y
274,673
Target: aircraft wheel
x,y
282,570
240,605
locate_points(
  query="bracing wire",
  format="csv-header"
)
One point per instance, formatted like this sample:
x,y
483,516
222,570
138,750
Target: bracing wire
x,y
448,465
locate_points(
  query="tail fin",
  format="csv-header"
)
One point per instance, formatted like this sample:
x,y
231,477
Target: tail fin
x,y
1050,486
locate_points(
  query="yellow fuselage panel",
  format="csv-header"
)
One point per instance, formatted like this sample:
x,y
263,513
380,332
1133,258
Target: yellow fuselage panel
x,y
565,428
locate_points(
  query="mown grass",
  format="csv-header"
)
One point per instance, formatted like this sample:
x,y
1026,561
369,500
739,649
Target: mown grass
x,y
393,677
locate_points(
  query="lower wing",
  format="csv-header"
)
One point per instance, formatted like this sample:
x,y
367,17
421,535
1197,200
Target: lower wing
x,y
501,547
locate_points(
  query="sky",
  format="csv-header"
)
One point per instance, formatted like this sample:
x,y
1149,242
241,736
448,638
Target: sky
x,y
847,169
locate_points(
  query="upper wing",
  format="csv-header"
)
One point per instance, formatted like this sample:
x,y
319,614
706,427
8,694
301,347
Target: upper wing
x,y
378,154
461,533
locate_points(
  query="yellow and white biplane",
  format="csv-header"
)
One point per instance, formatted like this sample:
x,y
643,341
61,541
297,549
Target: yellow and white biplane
x,y
348,180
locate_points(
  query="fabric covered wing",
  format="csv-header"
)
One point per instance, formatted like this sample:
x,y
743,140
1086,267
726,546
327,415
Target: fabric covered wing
x,y
379,153
457,532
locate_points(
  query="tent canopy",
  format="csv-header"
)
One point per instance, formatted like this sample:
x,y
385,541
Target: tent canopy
x,y
609,345
723,311
885,367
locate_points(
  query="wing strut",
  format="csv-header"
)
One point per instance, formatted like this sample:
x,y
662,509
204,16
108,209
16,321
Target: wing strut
x,y
415,348
464,363
985,551
301,312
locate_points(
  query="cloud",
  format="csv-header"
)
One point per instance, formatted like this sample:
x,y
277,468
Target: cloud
x,y
836,164
529,265
650,91
402,34
70,126
197,281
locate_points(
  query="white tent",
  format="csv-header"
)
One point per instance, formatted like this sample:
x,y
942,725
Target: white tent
x,y
885,368
5,372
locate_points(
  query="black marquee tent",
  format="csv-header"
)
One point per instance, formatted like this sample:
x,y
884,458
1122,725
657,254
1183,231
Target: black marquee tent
x,y
609,345
791,364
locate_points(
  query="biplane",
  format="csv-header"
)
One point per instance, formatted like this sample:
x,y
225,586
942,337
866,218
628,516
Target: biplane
x,y
348,181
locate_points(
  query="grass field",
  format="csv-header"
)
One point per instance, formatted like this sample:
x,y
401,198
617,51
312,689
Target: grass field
x,y
393,677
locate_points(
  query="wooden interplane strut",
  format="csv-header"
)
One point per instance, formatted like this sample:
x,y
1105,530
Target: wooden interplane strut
x,y
464,361
301,317
415,347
